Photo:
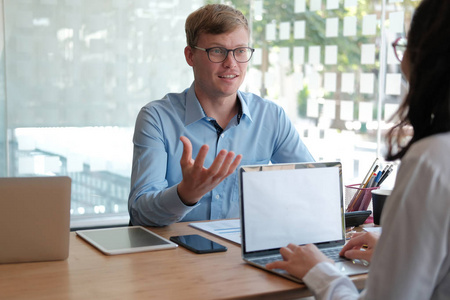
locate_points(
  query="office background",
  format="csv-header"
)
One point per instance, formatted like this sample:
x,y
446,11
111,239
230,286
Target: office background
x,y
74,74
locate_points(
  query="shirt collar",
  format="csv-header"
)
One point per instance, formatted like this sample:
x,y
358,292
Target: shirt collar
x,y
194,110
244,106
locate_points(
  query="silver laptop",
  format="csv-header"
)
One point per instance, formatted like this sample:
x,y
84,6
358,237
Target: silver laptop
x,y
297,203
34,219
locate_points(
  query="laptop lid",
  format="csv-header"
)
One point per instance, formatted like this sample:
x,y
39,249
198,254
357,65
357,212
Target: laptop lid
x,y
296,203
34,219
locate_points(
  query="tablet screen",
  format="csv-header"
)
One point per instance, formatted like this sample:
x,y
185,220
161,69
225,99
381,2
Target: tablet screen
x,y
125,240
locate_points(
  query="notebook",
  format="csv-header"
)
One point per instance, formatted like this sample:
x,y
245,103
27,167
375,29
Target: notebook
x,y
298,203
34,219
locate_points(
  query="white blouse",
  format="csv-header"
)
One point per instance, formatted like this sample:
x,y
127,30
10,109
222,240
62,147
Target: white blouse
x,y
412,257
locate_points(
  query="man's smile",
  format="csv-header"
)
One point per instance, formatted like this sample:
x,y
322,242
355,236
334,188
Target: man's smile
x,y
228,76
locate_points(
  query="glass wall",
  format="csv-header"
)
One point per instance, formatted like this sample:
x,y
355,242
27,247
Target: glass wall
x,y
74,74
330,64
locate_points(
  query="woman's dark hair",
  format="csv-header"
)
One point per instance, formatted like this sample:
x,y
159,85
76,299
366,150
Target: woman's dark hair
x,y
426,107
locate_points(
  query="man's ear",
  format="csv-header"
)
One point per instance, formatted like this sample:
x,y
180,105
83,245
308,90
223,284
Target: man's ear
x,y
188,54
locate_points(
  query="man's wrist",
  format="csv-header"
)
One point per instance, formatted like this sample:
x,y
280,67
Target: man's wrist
x,y
183,198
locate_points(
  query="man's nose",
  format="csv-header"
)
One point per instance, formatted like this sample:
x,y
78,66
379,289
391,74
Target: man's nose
x,y
230,61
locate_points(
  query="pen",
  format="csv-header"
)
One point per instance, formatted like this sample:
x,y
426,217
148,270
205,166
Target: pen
x,y
377,179
385,169
385,175
372,180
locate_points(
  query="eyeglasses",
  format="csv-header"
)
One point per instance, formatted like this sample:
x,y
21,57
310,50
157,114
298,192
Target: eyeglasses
x,y
219,54
399,47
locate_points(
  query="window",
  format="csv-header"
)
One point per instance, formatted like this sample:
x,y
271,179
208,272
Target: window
x,y
74,75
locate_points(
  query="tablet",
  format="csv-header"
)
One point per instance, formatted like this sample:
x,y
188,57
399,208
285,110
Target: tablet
x,y
123,240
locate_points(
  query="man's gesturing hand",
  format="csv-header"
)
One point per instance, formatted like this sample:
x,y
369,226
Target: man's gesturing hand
x,y
197,180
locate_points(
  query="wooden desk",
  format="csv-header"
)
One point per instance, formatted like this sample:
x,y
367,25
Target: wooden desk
x,y
167,274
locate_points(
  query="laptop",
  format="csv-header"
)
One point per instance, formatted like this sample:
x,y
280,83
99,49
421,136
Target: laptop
x,y
34,219
298,203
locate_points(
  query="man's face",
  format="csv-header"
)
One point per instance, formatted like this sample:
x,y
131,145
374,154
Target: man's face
x,y
218,80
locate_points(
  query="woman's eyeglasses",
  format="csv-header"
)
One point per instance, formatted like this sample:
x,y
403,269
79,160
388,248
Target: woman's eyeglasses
x,y
399,47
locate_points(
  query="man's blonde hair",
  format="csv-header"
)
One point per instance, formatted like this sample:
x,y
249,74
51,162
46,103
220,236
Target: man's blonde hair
x,y
213,19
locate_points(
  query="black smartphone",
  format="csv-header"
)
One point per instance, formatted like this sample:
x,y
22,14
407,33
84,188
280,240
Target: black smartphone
x,y
198,244
356,218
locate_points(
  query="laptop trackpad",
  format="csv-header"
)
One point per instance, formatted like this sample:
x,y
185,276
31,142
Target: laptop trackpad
x,y
353,267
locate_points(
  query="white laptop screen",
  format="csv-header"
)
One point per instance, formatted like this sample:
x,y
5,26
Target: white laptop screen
x,y
298,206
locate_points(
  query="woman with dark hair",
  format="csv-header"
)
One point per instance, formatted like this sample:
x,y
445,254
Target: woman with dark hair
x,y
411,258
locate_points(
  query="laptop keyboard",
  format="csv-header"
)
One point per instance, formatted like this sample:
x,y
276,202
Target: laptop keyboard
x,y
332,253
268,259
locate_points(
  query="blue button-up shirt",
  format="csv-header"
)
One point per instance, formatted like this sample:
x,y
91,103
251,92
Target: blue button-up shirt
x,y
263,134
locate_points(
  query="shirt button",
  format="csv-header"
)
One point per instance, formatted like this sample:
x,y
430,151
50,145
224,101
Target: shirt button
x,y
222,135
217,197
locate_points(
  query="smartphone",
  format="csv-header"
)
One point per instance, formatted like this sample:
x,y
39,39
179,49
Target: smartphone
x,y
356,218
198,244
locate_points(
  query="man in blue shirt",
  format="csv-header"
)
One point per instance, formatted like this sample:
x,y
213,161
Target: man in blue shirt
x,y
213,119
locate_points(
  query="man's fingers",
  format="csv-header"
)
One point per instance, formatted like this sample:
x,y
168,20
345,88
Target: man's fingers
x,y
235,164
201,156
187,150
218,163
224,169
223,165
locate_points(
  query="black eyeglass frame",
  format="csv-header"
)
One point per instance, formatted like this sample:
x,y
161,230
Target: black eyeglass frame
x,y
228,51
399,47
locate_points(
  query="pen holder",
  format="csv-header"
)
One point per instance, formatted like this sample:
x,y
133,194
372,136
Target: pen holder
x,y
356,198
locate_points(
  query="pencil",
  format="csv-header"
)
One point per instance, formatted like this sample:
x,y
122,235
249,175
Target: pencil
x,y
372,169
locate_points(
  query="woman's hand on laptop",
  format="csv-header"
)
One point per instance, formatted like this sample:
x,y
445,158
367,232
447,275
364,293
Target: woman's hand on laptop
x,y
298,260
360,246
